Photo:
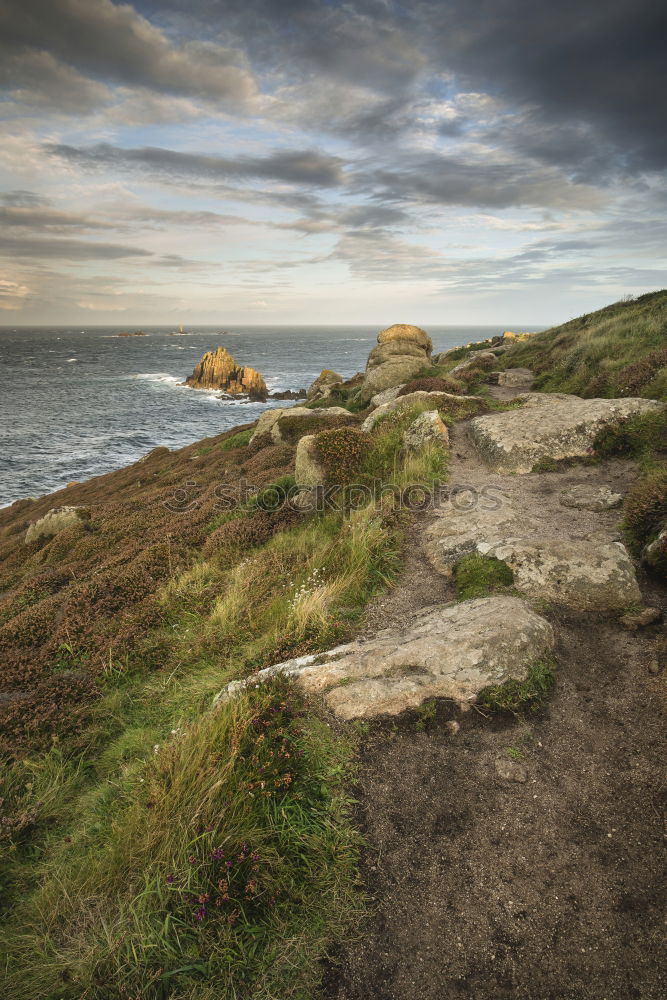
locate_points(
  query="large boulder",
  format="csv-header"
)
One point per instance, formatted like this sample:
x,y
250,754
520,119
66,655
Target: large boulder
x,y
323,384
55,521
480,359
577,561
395,371
549,426
448,651
587,575
386,396
309,472
427,428
270,421
401,352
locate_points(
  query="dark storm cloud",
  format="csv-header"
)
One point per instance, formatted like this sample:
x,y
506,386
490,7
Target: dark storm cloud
x,y
306,167
604,64
113,42
577,62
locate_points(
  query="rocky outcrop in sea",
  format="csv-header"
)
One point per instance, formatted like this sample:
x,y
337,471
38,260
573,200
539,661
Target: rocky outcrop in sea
x,y
218,370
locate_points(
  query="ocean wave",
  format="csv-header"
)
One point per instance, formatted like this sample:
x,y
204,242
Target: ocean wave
x,y
157,377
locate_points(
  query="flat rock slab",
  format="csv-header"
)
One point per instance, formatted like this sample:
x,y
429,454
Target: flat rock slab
x,y
587,497
449,651
553,557
582,574
549,425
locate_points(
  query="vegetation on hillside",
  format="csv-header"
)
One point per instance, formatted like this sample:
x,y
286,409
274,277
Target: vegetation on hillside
x,y
124,798
617,351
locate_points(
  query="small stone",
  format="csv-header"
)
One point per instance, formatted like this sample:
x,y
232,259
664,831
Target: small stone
x,y
511,770
654,667
452,727
648,616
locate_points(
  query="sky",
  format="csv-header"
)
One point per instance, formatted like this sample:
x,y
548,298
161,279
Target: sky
x,y
311,161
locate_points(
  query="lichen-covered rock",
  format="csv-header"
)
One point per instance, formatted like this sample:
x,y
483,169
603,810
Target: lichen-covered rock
x,y
395,371
587,497
427,428
55,521
549,425
269,421
386,396
590,576
449,651
435,399
585,571
218,370
403,332
401,352
323,384
309,472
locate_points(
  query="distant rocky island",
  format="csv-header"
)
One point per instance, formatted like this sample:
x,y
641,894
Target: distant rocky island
x,y
135,333
218,370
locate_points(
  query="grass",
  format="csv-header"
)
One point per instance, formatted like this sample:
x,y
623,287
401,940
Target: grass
x,y
107,835
518,697
644,439
220,866
478,576
238,440
616,351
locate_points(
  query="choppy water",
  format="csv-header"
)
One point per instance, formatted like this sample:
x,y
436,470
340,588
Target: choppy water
x,y
76,404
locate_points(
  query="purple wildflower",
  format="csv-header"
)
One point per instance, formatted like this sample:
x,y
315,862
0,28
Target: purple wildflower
x,y
171,879
200,913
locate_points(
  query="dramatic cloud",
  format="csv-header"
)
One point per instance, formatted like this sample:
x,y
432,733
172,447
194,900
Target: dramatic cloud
x,y
293,167
113,42
302,152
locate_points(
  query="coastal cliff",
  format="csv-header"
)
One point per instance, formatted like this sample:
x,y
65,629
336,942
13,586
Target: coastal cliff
x,y
218,370
134,602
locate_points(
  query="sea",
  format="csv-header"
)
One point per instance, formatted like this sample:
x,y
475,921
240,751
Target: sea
x,y
79,403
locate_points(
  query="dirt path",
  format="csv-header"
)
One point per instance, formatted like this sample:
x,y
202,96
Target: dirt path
x,y
545,885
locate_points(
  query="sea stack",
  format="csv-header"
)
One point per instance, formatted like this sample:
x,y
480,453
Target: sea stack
x,y
218,370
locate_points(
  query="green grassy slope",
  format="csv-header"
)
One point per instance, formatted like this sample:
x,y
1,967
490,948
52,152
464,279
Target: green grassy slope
x,y
620,350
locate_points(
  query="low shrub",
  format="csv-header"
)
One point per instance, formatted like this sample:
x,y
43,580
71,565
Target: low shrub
x,y
342,451
642,436
432,384
646,508
238,440
634,378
